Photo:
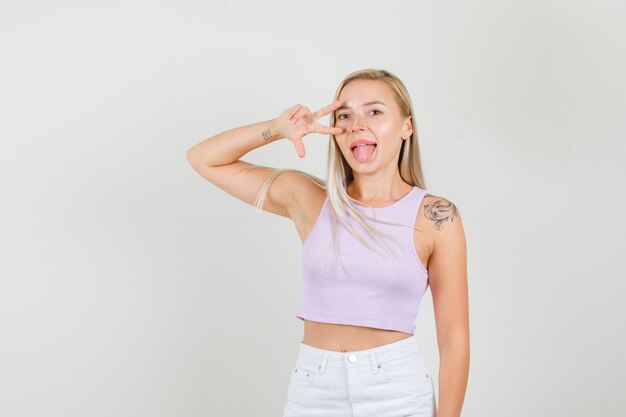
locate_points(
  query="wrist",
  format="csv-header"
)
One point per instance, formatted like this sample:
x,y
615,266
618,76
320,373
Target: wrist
x,y
274,130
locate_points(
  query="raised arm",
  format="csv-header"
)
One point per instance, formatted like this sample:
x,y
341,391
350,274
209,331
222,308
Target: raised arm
x,y
218,158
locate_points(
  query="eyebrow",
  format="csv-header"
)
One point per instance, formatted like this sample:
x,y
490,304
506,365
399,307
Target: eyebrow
x,y
369,103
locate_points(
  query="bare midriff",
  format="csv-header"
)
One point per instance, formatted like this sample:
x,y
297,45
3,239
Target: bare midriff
x,y
347,338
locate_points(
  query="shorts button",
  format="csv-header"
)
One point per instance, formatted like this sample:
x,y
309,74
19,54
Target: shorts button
x,y
352,358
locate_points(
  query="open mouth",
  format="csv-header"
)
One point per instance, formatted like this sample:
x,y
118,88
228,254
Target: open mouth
x,y
363,152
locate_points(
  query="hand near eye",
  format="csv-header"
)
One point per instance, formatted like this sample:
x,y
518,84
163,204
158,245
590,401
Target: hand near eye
x,y
298,121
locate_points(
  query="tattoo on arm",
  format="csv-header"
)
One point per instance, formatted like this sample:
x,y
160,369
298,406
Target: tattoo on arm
x,y
440,211
267,135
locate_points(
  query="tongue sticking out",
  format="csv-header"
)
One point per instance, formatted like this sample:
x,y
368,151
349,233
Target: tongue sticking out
x,y
363,153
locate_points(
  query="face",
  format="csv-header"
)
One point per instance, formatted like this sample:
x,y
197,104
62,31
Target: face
x,y
369,114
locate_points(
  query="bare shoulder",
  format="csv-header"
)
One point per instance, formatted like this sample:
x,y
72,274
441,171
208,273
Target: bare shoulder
x,y
442,219
440,212
436,216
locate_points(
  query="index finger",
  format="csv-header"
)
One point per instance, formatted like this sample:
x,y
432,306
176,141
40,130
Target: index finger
x,y
327,109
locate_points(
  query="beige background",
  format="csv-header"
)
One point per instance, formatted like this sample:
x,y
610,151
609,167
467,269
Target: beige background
x,y
132,287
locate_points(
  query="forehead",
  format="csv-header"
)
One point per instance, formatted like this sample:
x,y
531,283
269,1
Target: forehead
x,y
362,91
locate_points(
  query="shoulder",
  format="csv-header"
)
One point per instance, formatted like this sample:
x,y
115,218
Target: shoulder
x,y
440,211
442,218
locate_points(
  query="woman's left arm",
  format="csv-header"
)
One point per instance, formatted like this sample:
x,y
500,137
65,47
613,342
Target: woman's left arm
x,y
447,271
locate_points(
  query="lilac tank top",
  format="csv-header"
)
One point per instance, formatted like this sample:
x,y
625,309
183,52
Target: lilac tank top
x,y
365,288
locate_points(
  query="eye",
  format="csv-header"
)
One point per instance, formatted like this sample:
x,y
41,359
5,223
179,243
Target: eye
x,y
340,116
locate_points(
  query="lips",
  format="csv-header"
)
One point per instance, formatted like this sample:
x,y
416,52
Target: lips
x,y
361,142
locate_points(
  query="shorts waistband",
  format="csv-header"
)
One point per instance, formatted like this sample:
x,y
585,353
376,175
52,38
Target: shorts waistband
x,y
317,360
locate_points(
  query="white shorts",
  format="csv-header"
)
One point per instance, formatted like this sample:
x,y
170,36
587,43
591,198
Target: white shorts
x,y
386,381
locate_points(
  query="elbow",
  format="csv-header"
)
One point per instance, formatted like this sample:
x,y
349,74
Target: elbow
x,y
191,157
458,345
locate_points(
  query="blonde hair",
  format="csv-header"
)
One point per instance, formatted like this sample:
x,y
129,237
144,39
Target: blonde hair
x,y
339,171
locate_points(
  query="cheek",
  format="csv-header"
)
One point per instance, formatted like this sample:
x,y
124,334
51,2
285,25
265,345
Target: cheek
x,y
386,128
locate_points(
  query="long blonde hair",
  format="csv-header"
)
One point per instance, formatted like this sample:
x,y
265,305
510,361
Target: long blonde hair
x,y
339,171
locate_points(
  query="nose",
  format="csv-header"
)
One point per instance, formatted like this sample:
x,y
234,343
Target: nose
x,y
358,123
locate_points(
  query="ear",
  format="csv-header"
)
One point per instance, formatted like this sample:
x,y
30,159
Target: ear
x,y
408,128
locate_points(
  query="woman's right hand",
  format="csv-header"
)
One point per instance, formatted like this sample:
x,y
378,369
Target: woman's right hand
x,y
298,121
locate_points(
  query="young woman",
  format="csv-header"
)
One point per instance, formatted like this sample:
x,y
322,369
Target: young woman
x,y
373,241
